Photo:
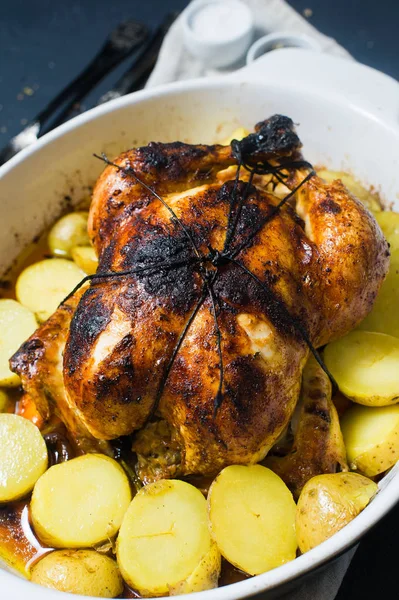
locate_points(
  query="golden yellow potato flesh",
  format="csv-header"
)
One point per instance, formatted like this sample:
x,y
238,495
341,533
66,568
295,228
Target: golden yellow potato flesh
x,y
366,367
41,287
84,572
164,537
23,456
17,323
371,437
85,258
81,502
252,515
329,502
67,232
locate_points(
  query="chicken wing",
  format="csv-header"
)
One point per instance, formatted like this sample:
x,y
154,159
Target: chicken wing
x,y
38,362
318,443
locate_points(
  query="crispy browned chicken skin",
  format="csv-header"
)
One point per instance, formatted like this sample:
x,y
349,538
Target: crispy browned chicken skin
x,y
321,258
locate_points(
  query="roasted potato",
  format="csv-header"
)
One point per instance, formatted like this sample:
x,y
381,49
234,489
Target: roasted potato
x,y
369,199
252,516
81,502
43,285
23,456
204,577
366,367
84,572
371,438
328,503
17,323
85,258
67,232
164,540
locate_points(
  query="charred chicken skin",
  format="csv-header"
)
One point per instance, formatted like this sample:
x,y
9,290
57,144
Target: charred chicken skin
x,y
198,350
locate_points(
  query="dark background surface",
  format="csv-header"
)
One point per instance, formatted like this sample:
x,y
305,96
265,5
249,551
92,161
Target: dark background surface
x,y
45,43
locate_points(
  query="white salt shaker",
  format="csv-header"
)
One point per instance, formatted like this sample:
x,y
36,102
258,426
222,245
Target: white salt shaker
x,y
218,32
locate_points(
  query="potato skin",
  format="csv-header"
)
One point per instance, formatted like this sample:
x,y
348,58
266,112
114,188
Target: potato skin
x,y
204,577
371,438
328,503
84,572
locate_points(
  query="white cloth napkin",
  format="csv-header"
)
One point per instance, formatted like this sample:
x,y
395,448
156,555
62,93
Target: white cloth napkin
x,y
176,63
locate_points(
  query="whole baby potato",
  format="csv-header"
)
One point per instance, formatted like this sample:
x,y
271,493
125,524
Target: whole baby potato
x,y
84,572
328,503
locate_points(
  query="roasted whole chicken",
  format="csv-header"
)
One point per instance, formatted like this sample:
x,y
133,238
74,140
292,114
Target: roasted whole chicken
x,y
221,270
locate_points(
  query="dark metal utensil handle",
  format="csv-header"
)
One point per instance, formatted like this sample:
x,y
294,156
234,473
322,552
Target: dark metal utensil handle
x,y
125,38
142,66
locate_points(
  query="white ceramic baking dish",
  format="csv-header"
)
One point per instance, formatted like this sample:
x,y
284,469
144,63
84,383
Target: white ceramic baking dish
x,y
347,117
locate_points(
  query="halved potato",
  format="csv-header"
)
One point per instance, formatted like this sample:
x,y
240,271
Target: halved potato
x,y
85,258
43,285
17,323
81,502
369,199
328,503
84,572
366,367
67,232
23,456
371,437
252,515
164,538
204,577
